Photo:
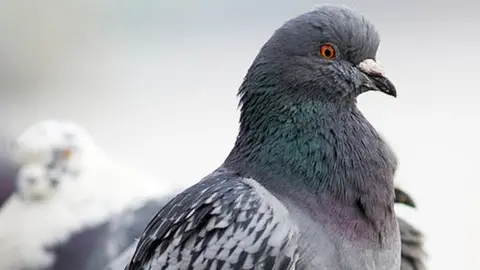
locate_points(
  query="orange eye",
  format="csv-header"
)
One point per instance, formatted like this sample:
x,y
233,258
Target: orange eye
x,y
67,153
327,51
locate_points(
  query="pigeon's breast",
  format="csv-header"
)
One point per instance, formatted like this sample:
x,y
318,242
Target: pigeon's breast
x,y
327,242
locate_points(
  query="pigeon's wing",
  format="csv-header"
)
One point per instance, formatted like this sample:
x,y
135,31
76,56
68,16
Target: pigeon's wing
x,y
224,222
413,254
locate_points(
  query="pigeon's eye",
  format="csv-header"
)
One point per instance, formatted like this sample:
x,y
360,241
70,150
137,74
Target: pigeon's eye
x,y
66,154
327,51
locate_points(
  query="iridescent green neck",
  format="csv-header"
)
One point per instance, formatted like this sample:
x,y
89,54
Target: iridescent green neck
x,y
314,146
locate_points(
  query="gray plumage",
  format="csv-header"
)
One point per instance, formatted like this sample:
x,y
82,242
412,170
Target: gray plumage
x,y
220,221
413,252
309,182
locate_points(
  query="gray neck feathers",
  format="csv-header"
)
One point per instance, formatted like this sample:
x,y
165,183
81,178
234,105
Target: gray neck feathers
x,y
315,148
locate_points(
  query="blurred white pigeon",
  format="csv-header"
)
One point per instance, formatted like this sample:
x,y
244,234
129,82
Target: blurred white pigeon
x,y
68,192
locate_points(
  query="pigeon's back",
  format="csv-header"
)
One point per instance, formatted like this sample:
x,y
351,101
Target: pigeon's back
x,y
223,222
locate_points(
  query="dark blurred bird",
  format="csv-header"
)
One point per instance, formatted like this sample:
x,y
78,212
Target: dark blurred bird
x,y
8,171
413,252
123,231
123,259
74,208
309,182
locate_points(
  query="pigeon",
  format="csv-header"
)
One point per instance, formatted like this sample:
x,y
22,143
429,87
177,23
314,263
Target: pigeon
x,y
309,181
8,172
413,251
69,191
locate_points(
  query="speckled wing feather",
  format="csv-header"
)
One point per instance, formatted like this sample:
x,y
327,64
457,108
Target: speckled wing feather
x,y
413,253
222,222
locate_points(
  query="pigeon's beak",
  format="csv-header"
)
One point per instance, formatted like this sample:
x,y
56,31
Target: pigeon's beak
x,y
375,78
402,197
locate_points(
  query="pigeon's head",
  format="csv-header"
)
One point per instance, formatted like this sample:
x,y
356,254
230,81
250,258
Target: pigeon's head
x,y
326,55
404,198
48,154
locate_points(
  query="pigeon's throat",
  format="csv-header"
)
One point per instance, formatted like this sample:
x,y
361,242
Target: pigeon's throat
x,y
338,153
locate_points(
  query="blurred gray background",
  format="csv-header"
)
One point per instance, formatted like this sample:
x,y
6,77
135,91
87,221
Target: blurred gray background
x,y
155,83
